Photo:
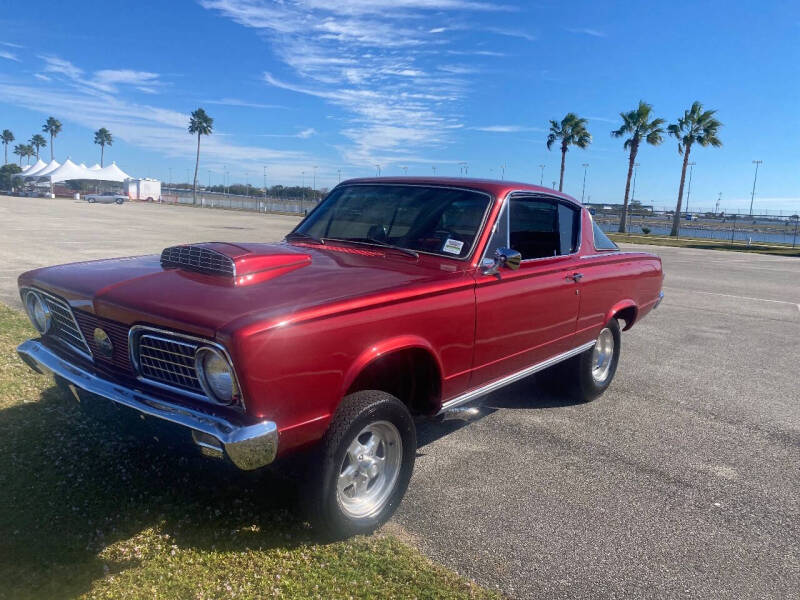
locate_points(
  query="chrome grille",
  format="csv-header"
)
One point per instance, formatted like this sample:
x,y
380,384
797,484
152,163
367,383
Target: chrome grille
x,y
168,361
117,332
196,258
65,328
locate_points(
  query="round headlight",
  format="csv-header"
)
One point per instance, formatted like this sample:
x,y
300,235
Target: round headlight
x,y
216,375
38,312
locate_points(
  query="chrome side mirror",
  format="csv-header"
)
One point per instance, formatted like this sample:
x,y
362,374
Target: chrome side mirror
x,y
503,257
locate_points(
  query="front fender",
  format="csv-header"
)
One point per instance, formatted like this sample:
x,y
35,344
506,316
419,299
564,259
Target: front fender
x,y
382,348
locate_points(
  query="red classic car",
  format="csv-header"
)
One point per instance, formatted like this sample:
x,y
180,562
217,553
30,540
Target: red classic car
x,y
394,299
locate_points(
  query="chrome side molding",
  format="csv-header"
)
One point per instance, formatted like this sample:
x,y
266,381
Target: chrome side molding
x,y
508,379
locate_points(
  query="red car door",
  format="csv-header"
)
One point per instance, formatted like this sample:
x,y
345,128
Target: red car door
x,y
528,315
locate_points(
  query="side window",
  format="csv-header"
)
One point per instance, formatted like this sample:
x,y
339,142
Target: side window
x,y
568,228
601,241
499,237
533,228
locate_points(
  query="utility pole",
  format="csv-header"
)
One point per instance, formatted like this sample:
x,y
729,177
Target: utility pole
x,y
635,173
541,177
689,189
755,177
583,191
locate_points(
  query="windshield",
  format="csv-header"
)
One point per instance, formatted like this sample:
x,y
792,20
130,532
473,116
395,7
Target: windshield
x,y
426,219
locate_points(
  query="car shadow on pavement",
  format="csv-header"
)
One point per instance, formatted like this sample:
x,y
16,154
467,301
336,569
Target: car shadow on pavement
x,y
532,393
71,486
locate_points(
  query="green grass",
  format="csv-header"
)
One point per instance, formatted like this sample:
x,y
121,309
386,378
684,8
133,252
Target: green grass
x,y
88,512
704,244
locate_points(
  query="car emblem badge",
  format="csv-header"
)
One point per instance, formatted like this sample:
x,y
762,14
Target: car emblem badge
x,y
103,343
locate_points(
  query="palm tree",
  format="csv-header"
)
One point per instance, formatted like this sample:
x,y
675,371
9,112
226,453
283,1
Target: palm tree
x,y
571,131
103,137
696,126
637,125
201,124
7,138
29,152
20,150
53,127
37,141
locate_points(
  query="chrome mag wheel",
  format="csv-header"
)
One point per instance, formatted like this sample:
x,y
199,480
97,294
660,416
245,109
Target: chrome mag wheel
x,y
603,356
369,470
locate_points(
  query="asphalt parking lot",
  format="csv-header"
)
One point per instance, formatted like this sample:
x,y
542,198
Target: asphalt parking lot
x,y
681,481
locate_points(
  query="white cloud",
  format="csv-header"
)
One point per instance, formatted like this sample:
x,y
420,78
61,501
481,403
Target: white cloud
x,y
243,103
9,56
104,80
11,45
588,31
374,59
505,128
307,133
54,64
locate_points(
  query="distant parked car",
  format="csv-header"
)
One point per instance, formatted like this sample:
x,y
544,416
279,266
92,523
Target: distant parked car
x,y
106,198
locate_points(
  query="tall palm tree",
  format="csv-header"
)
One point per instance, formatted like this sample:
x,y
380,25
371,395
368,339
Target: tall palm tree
x,y
37,141
696,126
103,137
571,131
636,124
29,152
7,138
53,127
21,151
201,124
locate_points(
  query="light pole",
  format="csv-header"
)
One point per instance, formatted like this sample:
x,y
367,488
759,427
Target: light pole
x,y
339,171
689,189
541,177
209,179
719,199
755,177
434,170
314,184
265,187
303,190
463,168
554,185
169,184
378,169
405,170
583,191
502,172
635,173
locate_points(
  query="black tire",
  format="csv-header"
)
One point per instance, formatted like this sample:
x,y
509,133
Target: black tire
x,y
90,200
574,378
119,200
589,386
355,413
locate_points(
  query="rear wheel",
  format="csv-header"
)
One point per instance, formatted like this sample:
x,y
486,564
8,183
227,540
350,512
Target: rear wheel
x,y
598,365
364,465
119,200
90,200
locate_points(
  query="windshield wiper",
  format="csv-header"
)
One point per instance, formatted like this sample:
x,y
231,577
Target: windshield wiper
x,y
379,244
299,235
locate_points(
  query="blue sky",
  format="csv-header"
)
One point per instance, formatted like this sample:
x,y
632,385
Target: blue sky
x,y
347,84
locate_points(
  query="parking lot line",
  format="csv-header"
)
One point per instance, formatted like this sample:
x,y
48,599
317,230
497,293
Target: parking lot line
x,y
795,304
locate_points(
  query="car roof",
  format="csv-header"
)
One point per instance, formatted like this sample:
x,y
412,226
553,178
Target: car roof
x,y
494,187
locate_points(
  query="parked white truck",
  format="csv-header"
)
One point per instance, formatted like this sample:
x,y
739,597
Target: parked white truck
x,y
143,189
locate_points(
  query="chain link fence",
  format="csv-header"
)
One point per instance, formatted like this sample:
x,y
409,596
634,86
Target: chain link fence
x,y
263,204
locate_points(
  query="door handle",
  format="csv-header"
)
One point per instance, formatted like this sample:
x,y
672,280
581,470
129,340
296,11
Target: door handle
x,y
576,277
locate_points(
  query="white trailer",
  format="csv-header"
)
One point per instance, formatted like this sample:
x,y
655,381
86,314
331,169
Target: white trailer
x,y
143,189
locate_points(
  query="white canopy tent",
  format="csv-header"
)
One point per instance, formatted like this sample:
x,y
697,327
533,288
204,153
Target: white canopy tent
x,y
37,166
69,170
49,168
95,167
110,173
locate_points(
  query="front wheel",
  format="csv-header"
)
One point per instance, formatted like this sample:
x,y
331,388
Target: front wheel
x,y
365,463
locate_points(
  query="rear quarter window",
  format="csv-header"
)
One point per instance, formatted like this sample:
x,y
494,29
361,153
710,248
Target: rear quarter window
x,y
601,240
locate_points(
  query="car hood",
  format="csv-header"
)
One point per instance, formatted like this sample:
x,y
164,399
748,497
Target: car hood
x,y
284,280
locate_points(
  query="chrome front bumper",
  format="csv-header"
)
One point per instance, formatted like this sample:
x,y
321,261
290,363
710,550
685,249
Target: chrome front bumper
x,y
247,446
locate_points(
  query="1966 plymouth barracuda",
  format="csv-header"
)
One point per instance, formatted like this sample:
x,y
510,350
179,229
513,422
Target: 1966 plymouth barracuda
x,y
394,299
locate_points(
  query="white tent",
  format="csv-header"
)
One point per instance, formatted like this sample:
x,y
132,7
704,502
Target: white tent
x,y
69,170
37,166
111,173
51,166
95,167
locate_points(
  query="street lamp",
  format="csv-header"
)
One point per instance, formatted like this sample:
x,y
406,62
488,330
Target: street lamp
x,y
434,170
541,177
689,189
378,169
583,191
755,177
405,170
635,173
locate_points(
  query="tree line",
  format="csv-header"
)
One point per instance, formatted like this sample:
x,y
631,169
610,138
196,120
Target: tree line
x,y
53,127
696,126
